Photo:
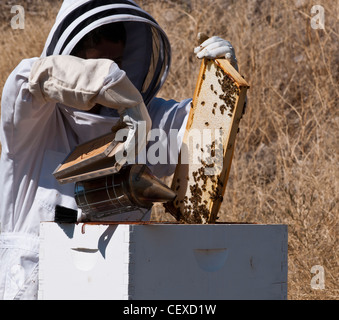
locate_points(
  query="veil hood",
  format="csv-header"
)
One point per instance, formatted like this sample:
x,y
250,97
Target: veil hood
x,y
147,54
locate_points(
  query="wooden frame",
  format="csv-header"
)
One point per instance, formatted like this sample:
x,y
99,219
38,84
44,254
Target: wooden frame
x,y
217,106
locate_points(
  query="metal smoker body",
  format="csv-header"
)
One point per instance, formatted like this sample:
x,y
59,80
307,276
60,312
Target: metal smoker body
x,y
132,188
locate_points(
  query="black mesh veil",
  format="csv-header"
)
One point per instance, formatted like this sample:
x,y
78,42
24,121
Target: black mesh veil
x,y
147,53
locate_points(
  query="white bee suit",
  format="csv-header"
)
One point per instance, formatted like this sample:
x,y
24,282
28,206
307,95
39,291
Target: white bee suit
x,y
43,117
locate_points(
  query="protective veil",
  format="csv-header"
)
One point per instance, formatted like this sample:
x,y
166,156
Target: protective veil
x,y
39,129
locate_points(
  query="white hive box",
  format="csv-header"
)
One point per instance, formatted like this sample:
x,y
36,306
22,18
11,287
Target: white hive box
x,y
163,261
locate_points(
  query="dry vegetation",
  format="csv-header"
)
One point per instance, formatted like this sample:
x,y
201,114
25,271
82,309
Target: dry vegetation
x,y
285,169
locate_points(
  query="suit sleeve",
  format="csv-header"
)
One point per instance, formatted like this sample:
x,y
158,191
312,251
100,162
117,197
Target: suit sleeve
x,y
81,83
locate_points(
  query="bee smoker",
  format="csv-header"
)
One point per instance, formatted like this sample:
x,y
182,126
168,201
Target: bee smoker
x,y
132,188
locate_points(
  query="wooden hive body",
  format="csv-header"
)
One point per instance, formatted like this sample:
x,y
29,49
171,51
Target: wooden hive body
x,y
206,154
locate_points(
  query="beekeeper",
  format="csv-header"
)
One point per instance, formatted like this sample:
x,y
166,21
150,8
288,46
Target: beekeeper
x,y
103,62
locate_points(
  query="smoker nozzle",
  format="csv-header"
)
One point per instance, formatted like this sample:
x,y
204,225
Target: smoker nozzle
x,y
145,188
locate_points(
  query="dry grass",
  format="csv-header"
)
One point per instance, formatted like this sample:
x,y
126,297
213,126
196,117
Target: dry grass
x,y
285,168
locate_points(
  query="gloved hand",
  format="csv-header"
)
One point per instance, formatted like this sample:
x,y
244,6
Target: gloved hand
x,y
216,47
134,135
82,84
119,93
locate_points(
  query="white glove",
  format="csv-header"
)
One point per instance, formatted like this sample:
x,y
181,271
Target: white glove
x,y
216,47
119,93
82,84
138,125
